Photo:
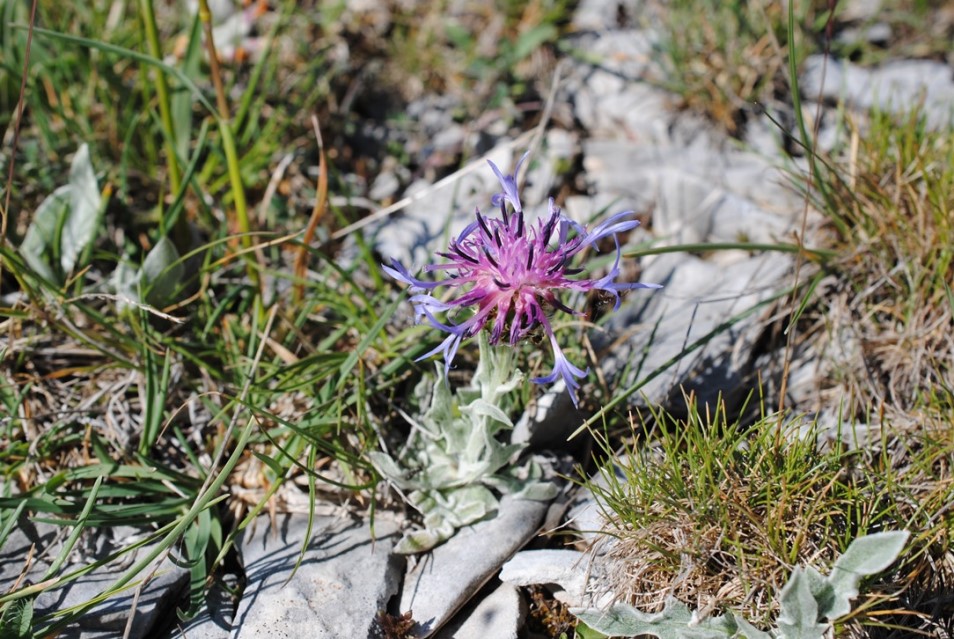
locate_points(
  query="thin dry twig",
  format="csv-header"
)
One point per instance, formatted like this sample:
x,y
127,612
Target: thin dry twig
x,y
321,203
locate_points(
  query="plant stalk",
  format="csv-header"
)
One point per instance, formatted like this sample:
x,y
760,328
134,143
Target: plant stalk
x,y
228,143
148,12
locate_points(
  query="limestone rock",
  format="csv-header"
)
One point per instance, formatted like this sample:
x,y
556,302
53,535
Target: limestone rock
x,y
345,578
896,86
499,615
446,578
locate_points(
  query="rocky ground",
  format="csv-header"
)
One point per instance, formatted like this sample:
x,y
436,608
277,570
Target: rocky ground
x,y
708,331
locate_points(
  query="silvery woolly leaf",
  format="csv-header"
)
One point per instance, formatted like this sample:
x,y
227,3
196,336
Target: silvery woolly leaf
x,y
798,617
457,507
471,504
864,557
423,540
748,631
675,621
82,220
40,244
389,469
537,491
482,408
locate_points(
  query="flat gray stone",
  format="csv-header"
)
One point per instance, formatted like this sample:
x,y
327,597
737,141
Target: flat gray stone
x,y
498,615
345,579
439,213
568,569
896,86
702,194
615,94
548,423
445,579
16,548
157,599
712,303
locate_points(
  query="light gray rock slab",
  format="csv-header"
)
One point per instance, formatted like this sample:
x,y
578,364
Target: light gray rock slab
x,y
712,304
567,569
703,195
156,597
499,615
438,213
16,548
544,171
613,92
345,578
149,605
445,579
896,86
547,424
879,33
616,92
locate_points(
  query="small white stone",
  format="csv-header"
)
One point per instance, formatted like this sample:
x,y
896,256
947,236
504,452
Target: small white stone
x,y
567,569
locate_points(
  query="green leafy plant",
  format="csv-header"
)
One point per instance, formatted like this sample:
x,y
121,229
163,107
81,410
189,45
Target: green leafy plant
x,y
65,225
454,459
16,619
809,603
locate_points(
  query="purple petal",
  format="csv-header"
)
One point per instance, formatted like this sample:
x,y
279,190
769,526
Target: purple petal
x,y
448,347
401,274
467,231
454,329
509,185
607,284
610,226
432,304
562,368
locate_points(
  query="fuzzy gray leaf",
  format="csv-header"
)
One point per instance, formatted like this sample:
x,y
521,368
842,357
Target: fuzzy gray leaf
x,y
82,220
41,242
675,621
161,273
798,618
865,556
748,631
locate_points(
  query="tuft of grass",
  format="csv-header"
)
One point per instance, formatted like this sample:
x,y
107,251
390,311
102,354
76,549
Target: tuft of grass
x,y
242,385
717,513
888,305
723,59
899,29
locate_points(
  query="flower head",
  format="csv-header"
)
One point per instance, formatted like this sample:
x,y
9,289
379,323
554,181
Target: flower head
x,y
512,274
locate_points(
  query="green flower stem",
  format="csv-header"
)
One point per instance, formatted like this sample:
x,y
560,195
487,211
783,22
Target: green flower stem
x,y
228,145
162,93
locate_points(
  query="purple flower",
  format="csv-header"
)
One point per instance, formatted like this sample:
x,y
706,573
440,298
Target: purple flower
x,y
512,274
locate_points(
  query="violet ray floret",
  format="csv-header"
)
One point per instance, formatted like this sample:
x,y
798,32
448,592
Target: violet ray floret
x,y
511,274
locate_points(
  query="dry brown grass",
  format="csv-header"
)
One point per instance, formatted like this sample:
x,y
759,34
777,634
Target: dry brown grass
x,y
885,314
